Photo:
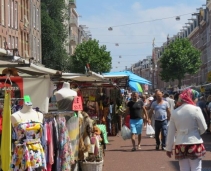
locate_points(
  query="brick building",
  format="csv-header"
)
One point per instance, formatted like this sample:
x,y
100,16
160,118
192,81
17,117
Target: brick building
x,y
20,27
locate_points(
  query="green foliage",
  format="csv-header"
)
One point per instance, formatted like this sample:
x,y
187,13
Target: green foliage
x,y
179,58
54,34
92,53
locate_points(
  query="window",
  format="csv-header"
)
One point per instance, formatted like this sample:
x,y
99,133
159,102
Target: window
x,y
13,42
9,13
9,42
16,15
34,16
38,49
34,47
12,14
2,19
16,42
37,20
3,41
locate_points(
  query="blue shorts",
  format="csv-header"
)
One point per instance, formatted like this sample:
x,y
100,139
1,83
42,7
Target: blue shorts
x,y
136,126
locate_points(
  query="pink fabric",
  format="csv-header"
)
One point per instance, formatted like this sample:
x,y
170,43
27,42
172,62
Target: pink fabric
x,y
187,96
51,154
50,146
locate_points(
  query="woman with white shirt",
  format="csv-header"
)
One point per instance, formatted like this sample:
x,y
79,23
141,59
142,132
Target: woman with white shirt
x,y
187,123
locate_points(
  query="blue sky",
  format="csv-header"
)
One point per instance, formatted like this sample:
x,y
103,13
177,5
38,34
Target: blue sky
x,y
135,41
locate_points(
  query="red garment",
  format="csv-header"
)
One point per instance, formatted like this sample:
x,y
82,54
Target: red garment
x,y
127,121
192,151
50,146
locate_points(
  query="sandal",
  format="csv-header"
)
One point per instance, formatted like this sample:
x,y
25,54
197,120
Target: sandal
x,y
139,147
133,149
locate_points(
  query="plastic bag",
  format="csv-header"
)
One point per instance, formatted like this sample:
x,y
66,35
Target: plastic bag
x,y
125,132
150,130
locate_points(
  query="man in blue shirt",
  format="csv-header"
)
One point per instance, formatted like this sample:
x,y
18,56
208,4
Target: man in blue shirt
x,y
162,113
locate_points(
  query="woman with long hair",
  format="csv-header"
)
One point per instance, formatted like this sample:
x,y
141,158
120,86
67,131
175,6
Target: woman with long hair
x,y
187,123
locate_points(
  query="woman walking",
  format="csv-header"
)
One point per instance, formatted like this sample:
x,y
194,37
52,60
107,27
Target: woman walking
x,y
187,123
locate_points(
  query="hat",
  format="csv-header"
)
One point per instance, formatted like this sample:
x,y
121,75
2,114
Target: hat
x,y
96,130
11,71
151,98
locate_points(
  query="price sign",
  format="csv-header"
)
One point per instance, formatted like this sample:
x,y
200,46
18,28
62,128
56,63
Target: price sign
x,y
77,104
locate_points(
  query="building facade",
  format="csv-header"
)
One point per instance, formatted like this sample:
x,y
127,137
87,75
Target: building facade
x,y
20,27
198,31
73,27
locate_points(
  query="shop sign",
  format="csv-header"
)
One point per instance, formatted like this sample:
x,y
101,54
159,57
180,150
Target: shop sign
x,y
209,77
16,88
77,104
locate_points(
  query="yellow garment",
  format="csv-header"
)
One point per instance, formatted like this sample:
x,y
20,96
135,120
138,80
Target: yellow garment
x,y
6,133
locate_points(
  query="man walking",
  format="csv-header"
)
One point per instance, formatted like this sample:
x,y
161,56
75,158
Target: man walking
x,y
136,110
161,114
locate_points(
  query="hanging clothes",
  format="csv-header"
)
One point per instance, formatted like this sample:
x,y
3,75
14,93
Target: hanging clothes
x,y
66,156
28,153
6,133
73,129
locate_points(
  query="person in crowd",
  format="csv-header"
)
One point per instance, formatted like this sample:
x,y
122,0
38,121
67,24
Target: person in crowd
x,y
176,98
170,101
145,100
135,108
171,96
208,111
162,113
187,123
151,99
202,105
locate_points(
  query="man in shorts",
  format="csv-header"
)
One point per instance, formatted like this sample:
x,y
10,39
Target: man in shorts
x,y
137,111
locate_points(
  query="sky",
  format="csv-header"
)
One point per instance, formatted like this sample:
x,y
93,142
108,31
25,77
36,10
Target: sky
x,y
135,24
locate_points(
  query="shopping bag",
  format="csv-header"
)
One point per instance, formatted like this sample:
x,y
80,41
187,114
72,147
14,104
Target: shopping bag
x,y
149,130
125,132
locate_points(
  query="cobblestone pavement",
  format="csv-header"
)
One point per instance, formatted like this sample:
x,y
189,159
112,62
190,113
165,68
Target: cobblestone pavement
x,y
118,156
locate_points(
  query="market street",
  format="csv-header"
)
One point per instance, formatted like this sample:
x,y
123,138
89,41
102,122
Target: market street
x,y
118,156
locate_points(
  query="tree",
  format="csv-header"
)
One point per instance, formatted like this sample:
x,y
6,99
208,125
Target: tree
x,y
90,52
54,34
179,58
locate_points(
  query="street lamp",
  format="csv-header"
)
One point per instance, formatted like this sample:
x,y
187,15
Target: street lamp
x,y
110,28
177,18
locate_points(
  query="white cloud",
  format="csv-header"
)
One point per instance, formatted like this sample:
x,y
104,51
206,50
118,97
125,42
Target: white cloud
x,y
145,32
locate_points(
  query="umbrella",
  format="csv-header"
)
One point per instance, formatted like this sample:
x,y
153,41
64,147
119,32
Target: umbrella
x,y
135,86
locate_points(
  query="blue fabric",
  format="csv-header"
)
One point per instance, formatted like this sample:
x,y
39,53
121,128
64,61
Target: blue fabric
x,y
136,126
132,76
160,110
161,126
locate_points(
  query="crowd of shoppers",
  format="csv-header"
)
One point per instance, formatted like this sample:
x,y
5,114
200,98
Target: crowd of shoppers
x,y
178,120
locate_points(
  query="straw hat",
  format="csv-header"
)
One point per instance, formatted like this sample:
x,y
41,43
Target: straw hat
x,y
11,71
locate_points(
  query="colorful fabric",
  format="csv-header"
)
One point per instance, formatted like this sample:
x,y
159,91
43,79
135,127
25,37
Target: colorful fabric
x,y
28,153
65,148
192,151
6,133
73,130
188,96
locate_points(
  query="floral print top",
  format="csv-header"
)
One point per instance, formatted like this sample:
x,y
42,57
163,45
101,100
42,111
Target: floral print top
x,y
28,153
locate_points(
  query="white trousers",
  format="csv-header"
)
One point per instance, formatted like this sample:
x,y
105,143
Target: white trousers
x,y
190,165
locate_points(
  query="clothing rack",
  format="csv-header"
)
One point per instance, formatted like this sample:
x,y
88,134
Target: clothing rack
x,y
2,99
59,113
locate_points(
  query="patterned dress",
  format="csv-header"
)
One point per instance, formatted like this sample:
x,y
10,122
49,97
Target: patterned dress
x,y
28,153
65,148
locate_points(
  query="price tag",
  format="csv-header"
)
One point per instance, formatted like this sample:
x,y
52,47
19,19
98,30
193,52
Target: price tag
x,y
77,104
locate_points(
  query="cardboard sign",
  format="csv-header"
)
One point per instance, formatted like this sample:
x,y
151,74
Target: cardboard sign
x,y
77,104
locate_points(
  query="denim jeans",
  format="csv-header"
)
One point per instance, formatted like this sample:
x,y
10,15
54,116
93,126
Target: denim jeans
x,y
161,126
